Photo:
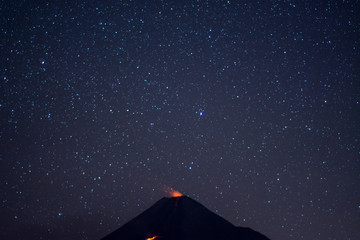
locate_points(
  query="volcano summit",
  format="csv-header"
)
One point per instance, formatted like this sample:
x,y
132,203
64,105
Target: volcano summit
x,y
181,218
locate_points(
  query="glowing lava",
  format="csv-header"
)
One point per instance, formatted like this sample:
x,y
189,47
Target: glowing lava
x,y
174,193
151,238
170,192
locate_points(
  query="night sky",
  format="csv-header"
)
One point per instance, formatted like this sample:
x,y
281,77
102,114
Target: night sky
x,y
251,108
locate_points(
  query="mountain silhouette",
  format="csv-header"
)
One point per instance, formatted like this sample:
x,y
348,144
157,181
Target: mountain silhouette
x,y
181,218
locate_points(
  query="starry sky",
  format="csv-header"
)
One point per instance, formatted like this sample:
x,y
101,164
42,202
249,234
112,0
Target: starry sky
x,y
249,107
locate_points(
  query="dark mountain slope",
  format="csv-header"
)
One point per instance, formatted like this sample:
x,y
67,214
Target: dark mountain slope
x,y
181,218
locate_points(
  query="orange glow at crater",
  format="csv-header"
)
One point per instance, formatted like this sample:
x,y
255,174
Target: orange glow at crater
x,y
170,192
174,193
151,238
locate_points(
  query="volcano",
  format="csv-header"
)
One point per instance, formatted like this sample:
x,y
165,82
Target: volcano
x,y
181,218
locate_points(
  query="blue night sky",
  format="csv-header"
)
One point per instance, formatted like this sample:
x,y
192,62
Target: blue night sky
x,y
249,107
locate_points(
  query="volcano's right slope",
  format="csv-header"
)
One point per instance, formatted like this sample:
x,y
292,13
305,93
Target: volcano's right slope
x,y
181,218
